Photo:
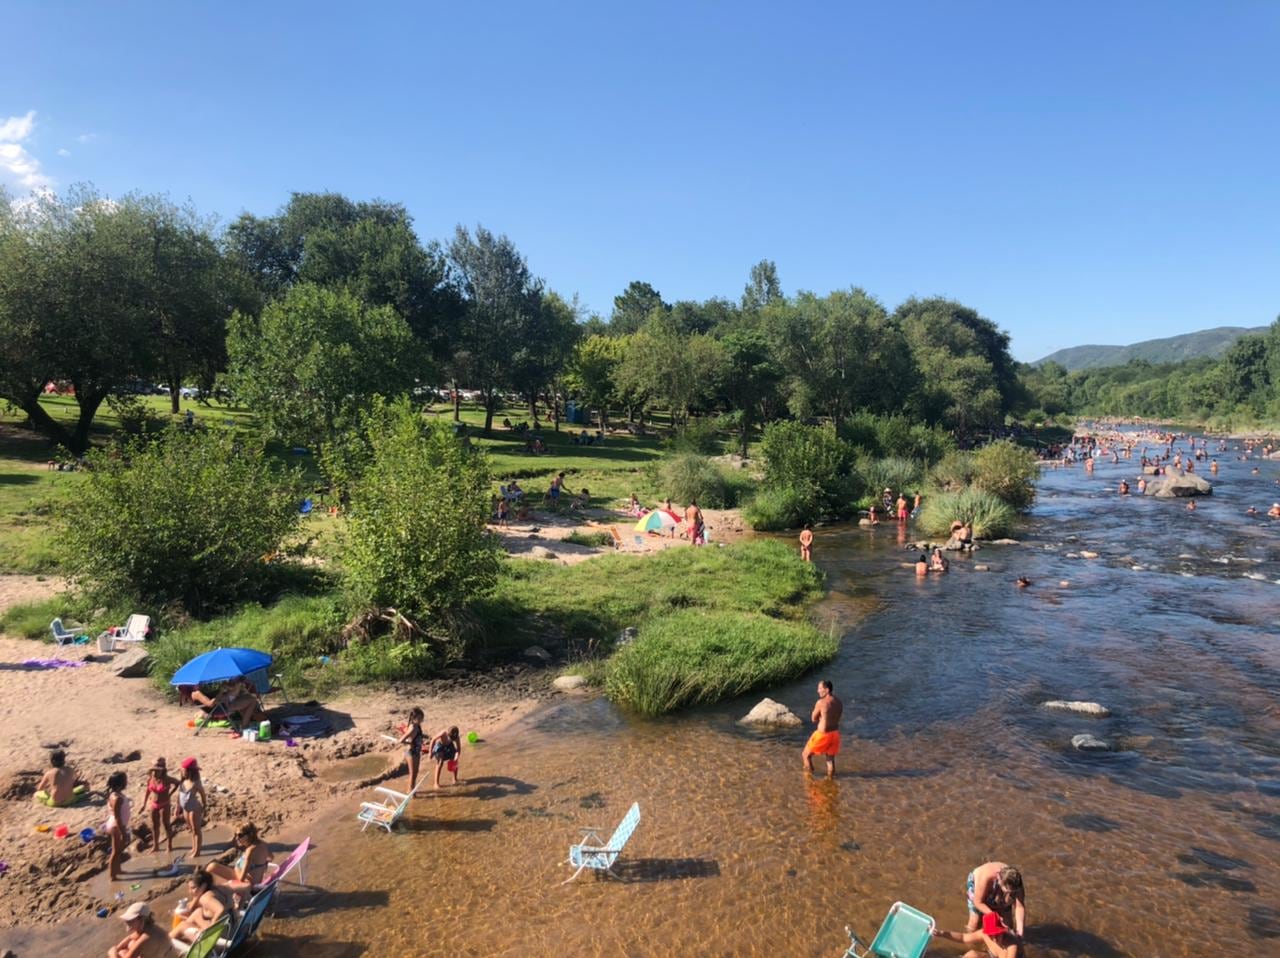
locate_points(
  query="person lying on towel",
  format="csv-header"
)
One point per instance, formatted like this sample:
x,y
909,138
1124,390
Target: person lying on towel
x,y
58,785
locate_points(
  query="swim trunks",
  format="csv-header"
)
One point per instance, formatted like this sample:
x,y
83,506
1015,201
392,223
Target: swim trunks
x,y
970,886
824,743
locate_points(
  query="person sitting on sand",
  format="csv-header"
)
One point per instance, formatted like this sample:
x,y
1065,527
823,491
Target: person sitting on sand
x,y
250,866
938,562
825,740
922,565
206,905
57,787
239,699
995,888
634,509
143,933
446,749
581,500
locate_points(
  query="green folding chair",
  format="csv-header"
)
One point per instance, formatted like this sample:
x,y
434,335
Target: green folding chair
x,y
904,933
205,944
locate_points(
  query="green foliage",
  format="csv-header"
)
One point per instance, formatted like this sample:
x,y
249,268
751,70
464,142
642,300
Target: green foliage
x,y
30,620
592,540
813,462
896,435
416,538
679,370
776,508
956,471
1007,470
592,373
186,519
901,475
693,656
990,516
700,436
689,477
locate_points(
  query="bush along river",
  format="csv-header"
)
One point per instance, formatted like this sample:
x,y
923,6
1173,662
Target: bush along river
x,y
1164,842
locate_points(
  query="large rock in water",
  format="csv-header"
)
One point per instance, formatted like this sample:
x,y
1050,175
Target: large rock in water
x,y
1088,743
1080,708
1179,487
769,712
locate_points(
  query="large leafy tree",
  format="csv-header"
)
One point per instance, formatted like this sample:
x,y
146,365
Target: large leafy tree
x,y
751,378
503,312
763,288
316,358
593,372
632,307
678,370
537,362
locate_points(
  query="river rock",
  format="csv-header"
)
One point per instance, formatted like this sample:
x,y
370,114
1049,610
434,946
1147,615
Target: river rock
x,y
542,552
864,522
1005,542
982,568
133,663
1086,554
1151,470
1079,708
954,544
1089,743
567,683
537,653
769,712
1179,487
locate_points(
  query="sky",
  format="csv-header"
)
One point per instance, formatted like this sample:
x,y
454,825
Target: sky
x,y
1091,172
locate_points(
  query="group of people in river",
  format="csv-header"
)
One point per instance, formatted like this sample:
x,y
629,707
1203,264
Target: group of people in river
x,y
994,894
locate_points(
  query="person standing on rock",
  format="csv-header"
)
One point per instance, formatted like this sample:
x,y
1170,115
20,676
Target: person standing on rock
x,y
826,738
806,544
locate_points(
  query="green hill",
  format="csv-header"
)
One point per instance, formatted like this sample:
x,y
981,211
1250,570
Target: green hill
x,y
1207,342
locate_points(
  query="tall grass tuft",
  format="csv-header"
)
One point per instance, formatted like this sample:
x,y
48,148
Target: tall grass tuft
x,y
891,472
693,656
990,516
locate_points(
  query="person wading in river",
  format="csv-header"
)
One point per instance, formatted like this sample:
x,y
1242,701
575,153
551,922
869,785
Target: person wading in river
x,y
826,740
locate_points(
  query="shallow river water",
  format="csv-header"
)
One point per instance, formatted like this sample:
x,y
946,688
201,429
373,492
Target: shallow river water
x,y
1167,846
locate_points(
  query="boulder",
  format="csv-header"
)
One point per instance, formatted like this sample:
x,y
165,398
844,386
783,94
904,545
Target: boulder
x,y
1089,743
567,683
542,552
1086,554
538,653
1079,708
1005,542
864,522
981,568
1179,487
769,712
133,663
954,544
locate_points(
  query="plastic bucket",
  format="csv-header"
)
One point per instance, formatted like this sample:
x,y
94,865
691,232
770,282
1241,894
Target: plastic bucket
x,y
250,735
86,835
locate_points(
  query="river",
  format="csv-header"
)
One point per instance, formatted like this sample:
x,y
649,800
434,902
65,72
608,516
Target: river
x,y
1169,845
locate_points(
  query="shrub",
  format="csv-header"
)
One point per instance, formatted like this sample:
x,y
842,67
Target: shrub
x,y
900,475
954,472
186,519
896,435
777,508
689,477
416,538
813,461
990,516
1007,470
593,540
701,436
692,656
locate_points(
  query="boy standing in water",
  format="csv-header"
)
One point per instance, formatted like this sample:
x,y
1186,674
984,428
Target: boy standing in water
x,y
826,739
806,544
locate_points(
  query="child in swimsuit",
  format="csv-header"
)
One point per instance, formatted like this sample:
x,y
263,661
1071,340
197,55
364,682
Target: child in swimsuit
x,y
191,802
117,824
159,791
413,738
446,748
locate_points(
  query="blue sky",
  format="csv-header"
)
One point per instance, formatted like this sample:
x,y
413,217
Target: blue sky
x,y
1086,172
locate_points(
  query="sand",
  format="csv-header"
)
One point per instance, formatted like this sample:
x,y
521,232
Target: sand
x,y
546,533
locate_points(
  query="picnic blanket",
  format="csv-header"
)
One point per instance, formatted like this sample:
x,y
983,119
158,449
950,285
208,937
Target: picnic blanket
x,y
51,664
305,726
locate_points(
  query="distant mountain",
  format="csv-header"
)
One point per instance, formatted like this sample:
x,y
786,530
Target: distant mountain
x,y
1207,342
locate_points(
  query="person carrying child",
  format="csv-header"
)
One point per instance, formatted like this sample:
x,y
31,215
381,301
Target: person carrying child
x,y
446,749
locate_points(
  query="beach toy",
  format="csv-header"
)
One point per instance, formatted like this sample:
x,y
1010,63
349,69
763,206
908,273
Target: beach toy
x,y
452,764
119,896
472,737
42,828
103,912
61,831
135,886
86,835
4,867
290,743
264,731
191,723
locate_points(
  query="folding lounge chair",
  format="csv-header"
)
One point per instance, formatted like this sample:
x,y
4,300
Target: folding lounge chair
x,y
904,933
277,872
204,945
247,925
61,635
134,631
602,857
386,814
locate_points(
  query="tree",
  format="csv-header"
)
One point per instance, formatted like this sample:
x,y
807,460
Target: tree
x,y
751,376
503,310
593,372
537,362
316,358
763,289
416,540
632,307
682,371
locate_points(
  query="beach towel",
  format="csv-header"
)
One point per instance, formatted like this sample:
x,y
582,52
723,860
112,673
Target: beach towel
x,y
51,664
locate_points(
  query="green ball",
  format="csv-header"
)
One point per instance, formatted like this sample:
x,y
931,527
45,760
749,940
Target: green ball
x,y
472,737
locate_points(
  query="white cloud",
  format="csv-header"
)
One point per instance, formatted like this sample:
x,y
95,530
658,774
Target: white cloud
x,y
63,151
17,165
87,137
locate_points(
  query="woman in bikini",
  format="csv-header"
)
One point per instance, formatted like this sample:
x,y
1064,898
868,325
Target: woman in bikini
x,y
117,825
191,802
208,904
250,866
157,796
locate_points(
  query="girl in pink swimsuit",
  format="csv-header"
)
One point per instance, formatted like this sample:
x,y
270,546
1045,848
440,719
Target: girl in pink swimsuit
x,y
117,824
158,796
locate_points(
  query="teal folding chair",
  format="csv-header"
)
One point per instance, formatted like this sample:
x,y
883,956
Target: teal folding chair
x,y
904,933
589,853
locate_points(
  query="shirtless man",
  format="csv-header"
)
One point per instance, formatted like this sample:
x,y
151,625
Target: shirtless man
x,y
806,544
693,522
57,786
826,739
996,888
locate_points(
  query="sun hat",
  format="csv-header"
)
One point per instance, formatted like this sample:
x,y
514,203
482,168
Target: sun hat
x,y
993,924
190,763
160,764
139,909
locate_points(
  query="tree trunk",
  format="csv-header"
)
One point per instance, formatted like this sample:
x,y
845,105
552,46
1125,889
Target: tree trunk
x,y
175,393
88,403
42,421
744,438
604,417
457,403
533,406
490,401
555,409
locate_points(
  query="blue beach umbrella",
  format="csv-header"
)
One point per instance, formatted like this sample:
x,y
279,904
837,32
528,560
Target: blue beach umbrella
x,y
220,665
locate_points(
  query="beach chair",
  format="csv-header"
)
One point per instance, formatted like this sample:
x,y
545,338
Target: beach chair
x,y
277,872
617,538
61,635
207,941
602,857
385,814
247,924
133,631
904,933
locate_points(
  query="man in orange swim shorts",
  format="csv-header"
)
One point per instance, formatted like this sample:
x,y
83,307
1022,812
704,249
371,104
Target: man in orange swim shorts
x,y
826,740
